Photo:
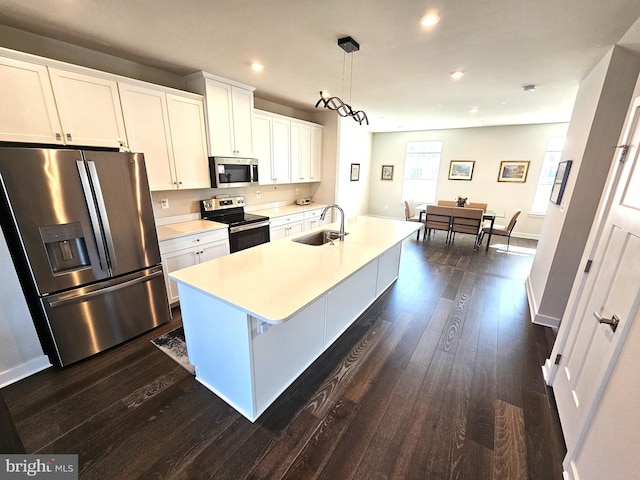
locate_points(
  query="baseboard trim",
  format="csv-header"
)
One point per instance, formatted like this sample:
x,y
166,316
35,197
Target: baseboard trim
x,y
536,317
24,370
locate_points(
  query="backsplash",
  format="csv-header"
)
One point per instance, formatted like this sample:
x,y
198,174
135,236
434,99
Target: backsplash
x,y
183,203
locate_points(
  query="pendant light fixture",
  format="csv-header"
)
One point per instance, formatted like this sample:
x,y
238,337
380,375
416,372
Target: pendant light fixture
x,y
349,45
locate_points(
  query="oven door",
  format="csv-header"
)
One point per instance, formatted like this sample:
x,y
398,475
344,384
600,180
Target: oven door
x,y
249,235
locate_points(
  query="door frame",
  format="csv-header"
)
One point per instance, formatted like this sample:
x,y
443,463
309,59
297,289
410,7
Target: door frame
x,y
550,368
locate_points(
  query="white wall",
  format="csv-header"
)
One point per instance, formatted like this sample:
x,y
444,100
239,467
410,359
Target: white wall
x,y
20,351
488,146
599,114
354,146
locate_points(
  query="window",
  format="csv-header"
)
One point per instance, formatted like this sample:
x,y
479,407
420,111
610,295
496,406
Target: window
x,y
547,174
421,167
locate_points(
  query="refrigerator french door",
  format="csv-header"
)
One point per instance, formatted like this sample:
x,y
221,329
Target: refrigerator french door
x,y
83,237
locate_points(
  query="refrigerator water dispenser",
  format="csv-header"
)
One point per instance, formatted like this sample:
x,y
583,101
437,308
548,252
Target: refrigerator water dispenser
x,y
66,248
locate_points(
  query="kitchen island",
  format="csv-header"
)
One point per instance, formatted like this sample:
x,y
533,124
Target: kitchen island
x,y
255,320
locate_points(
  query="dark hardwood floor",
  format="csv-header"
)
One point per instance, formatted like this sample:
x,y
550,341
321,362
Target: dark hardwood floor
x,y
440,378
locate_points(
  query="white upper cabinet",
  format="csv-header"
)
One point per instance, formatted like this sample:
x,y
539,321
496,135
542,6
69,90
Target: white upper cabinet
x,y
288,150
169,129
27,106
316,154
300,152
272,148
89,109
229,110
188,136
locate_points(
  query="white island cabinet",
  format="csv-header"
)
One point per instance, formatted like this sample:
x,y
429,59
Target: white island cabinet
x,y
255,320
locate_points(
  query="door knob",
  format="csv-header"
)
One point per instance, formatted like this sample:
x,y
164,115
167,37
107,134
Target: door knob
x,y
612,322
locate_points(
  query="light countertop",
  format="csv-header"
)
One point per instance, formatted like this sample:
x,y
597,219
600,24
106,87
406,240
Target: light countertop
x,y
181,229
275,280
287,210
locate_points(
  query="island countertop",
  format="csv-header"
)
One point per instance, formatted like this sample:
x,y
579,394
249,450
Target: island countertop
x,y
275,280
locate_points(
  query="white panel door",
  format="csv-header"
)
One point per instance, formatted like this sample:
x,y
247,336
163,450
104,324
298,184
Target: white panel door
x,y
188,137
147,123
604,315
89,109
281,148
315,174
219,115
242,101
27,108
262,148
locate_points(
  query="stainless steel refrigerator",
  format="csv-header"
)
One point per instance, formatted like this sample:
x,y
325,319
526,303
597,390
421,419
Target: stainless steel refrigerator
x,y
81,232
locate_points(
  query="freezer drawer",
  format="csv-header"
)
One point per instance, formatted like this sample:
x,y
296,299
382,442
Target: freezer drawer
x,y
88,320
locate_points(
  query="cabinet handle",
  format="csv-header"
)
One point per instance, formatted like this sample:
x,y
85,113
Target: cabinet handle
x,y
69,137
58,136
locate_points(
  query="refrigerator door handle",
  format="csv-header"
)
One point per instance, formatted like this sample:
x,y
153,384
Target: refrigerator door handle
x,y
93,214
103,213
69,297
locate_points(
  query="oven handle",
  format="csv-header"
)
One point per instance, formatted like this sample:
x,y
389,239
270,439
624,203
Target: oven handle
x,y
248,226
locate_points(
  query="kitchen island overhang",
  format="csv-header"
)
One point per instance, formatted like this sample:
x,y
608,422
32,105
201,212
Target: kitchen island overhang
x,y
255,320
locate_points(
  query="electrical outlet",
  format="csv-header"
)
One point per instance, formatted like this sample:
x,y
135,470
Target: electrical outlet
x,y
258,194
297,191
164,202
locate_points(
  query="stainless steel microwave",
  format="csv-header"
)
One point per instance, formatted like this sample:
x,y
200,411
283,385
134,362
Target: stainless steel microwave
x,y
231,172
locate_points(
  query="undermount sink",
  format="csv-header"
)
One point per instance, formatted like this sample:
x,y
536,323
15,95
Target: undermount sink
x,y
319,238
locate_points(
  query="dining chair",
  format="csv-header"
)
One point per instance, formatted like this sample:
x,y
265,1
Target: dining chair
x,y
410,215
502,230
447,203
438,218
467,220
482,206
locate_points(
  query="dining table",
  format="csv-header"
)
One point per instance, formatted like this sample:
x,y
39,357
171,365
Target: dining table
x,y
490,215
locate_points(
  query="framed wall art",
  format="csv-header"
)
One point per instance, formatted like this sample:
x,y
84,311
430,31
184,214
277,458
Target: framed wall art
x,y
387,172
355,172
461,169
560,182
514,171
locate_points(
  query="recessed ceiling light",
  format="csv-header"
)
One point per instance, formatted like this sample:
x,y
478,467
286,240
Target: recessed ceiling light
x,y
474,110
257,67
430,19
457,74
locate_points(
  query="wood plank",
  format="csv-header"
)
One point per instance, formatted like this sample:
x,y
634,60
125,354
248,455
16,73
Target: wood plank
x,y
510,459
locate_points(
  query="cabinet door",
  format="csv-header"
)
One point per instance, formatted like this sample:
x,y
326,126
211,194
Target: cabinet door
x,y
175,261
300,152
89,109
278,232
213,250
188,137
315,174
242,101
281,138
147,123
262,148
311,224
27,107
219,115
294,228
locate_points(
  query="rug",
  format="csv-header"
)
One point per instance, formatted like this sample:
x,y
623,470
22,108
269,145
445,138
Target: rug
x,y
173,344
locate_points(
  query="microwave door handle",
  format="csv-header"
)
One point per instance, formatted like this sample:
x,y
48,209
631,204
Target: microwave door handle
x,y
93,214
254,173
102,211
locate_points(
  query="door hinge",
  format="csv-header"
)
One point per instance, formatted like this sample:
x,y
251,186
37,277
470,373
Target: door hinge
x,y
588,266
557,360
625,149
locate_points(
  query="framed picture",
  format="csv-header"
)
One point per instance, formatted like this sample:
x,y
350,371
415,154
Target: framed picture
x,y
514,171
355,172
461,169
387,172
560,182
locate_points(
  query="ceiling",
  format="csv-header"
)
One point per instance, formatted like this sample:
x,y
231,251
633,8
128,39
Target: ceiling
x,y
400,75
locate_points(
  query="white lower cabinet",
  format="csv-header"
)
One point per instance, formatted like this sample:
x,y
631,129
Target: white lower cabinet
x,y
183,252
286,225
312,219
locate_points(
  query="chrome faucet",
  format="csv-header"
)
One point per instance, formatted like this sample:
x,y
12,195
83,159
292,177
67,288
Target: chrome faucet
x,y
336,206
